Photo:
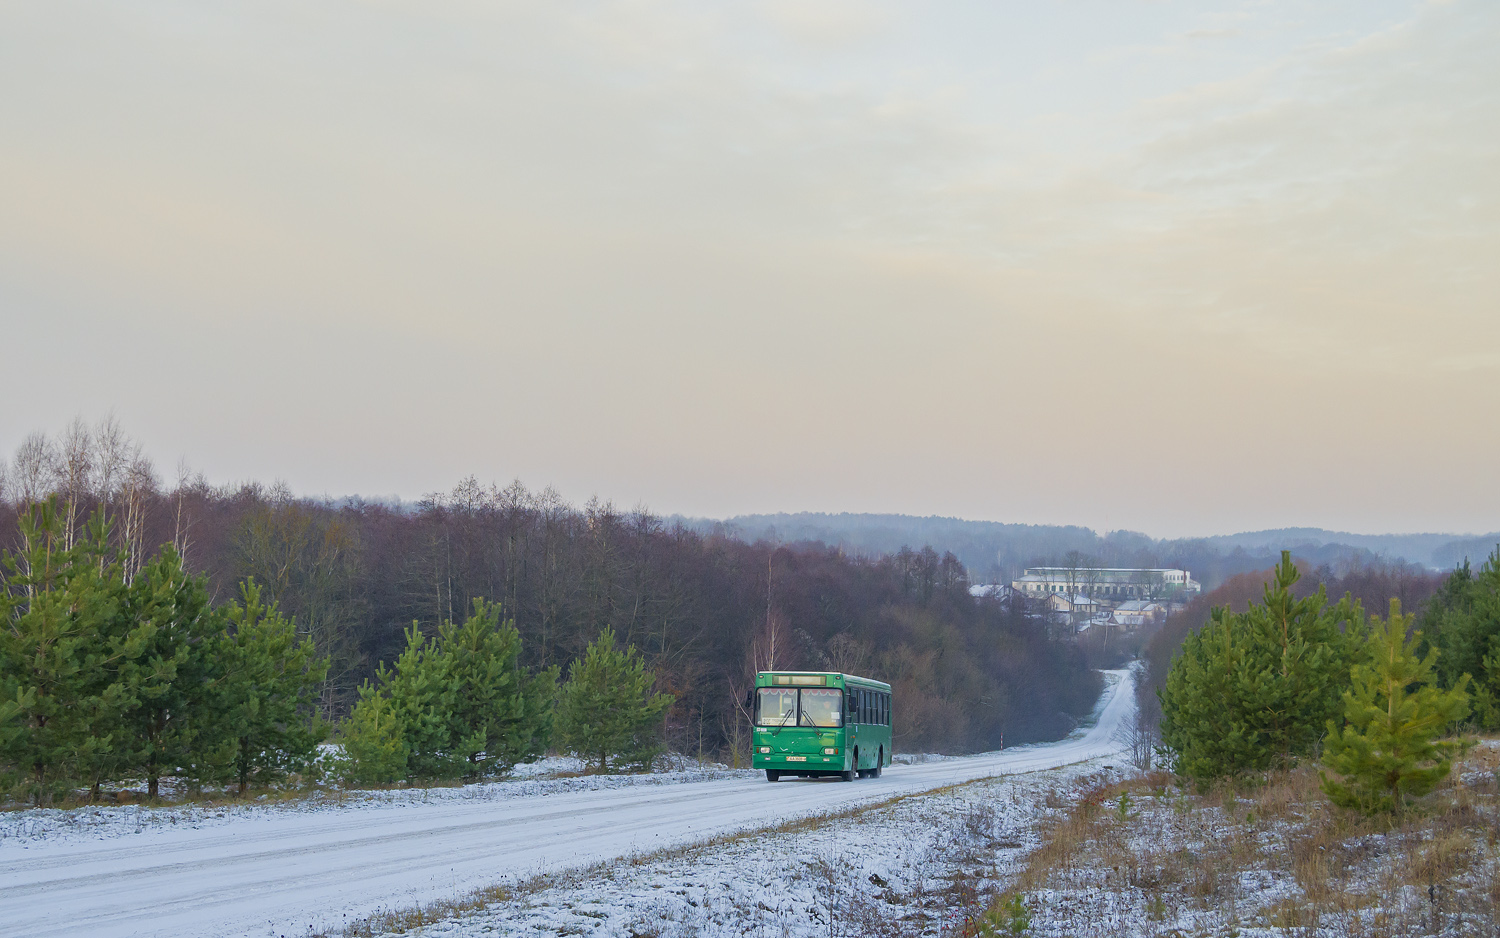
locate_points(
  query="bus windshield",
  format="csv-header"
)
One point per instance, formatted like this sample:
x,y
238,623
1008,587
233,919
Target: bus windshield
x,y
778,705
822,707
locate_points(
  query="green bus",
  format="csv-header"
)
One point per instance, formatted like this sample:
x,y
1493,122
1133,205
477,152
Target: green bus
x,y
819,723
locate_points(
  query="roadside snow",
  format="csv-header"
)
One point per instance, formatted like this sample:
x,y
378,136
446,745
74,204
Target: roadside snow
x,y
919,758
533,780
918,864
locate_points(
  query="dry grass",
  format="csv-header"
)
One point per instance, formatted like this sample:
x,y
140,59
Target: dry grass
x,y
1275,856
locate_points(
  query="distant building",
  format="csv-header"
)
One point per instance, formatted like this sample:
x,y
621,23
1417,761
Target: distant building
x,y
990,591
1079,606
1110,584
1137,612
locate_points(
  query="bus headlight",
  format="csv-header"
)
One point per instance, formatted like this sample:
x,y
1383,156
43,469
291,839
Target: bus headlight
x,y
765,749
831,752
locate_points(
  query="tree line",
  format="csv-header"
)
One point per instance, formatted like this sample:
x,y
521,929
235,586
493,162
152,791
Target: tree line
x,y
1375,700
109,671
108,674
996,552
1371,585
369,584
459,705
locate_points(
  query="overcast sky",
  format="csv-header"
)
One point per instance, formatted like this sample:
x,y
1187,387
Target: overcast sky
x,y
1177,267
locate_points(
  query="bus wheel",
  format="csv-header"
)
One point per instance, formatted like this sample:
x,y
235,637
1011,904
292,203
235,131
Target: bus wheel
x,y
879,761
772,776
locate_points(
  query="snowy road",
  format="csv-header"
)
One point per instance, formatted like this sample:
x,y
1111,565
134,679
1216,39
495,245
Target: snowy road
x,y
285,874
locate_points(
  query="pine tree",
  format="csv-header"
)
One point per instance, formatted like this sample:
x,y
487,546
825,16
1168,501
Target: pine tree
x,y
1255,689
374,740
66,639
464,705
1208,704
13,704
1388,752
424,694
501,716
1310,646
1463,622
267,694
606,710
172,729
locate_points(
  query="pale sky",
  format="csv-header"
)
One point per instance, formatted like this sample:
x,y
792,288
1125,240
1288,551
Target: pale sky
x,y
1176,267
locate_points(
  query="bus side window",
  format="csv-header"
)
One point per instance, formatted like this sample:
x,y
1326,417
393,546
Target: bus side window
x,y
864,709
887,709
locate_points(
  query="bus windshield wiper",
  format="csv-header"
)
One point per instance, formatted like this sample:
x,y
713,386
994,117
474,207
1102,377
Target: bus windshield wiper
x,y
784,717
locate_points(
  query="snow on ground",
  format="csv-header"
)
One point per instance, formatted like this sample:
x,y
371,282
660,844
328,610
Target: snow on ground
x,y
549,776
1126,855
294,868
914,867
1273,860
919,758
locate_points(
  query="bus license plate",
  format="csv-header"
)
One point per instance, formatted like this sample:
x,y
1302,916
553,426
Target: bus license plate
x,y
796,758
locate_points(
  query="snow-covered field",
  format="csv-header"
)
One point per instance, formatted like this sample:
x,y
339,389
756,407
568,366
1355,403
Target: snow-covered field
x,y
305,867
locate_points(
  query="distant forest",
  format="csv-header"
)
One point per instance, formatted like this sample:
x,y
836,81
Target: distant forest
x,y
995,552
705,608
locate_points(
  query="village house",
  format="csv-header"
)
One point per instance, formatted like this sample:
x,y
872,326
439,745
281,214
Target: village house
x,y
1073,607
1135,613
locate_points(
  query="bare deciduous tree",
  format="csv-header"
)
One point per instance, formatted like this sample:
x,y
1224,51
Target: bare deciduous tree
x,y
847,654
182,521
35,470
1140,736
75,470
